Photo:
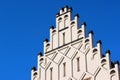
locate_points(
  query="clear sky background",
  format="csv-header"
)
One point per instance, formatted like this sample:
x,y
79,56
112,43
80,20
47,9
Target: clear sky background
x,y
24,24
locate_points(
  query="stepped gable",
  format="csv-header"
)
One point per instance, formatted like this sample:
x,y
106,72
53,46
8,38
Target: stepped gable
x,y
70,55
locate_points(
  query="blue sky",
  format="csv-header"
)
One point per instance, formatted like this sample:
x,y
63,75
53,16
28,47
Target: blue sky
x,y
24,24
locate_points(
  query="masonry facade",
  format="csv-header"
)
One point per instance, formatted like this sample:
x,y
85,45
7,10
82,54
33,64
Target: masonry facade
x,y
71,55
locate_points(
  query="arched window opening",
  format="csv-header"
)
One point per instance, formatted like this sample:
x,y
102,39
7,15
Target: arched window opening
x,y
78,64
72,23
103,61
112,72
65,22
86,46
53,31
80,31
65,16
95,50
35,73
47,45
94,55
63,38
41,59
64,69
87,40
59,19
51,73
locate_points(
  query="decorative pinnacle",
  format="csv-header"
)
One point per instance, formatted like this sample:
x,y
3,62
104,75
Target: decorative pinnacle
x,y
40,53
46,40
62,9
58,14
99,41
66,6
116,62
34,68
84,23
91,32
52,27
71,8
108,51
77,15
